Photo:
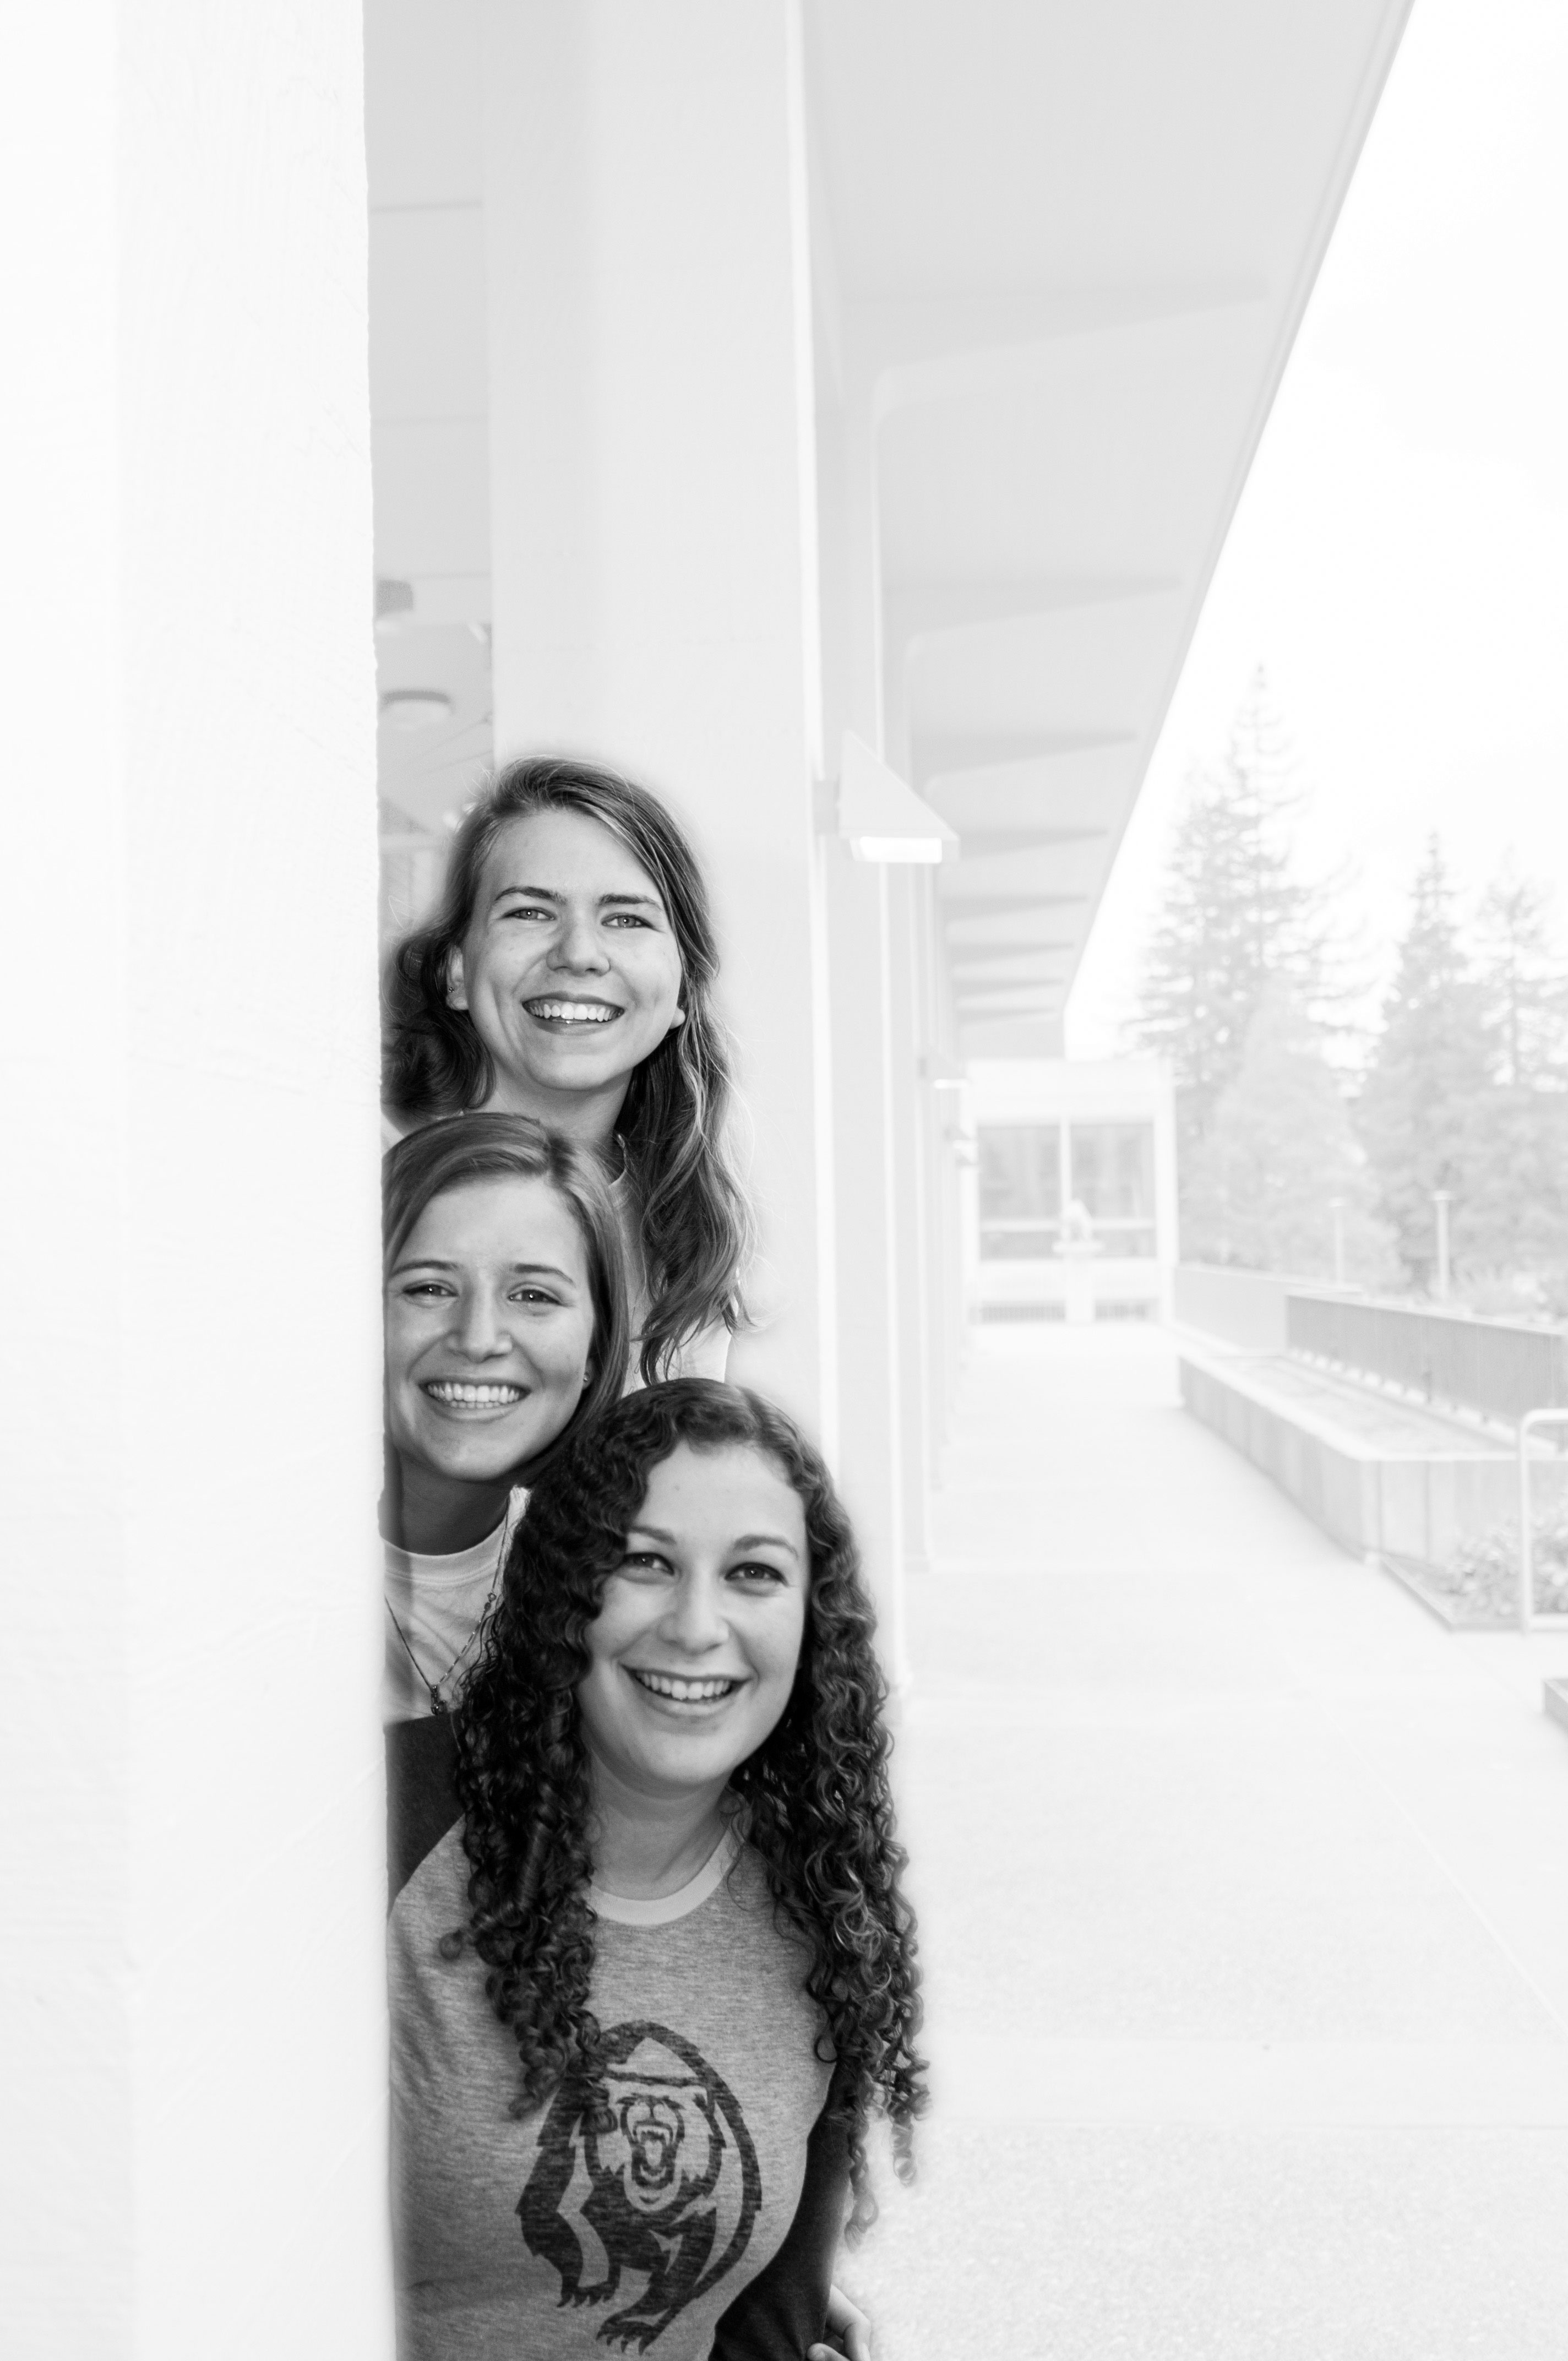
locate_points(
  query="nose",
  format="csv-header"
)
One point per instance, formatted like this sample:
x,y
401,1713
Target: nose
x,y
694,1620
478,1330
578,948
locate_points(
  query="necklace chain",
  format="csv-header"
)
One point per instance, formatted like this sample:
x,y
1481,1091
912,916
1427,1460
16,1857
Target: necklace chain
x,y
438,1704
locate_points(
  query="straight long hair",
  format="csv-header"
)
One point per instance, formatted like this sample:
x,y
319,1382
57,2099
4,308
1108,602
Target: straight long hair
x,y
815,1795
694,1222
430,1163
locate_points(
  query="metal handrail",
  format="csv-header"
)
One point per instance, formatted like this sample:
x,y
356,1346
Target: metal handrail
x,y
1530,1423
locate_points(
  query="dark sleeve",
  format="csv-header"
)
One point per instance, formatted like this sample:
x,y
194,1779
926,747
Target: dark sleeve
x,y
421,1798
784,2309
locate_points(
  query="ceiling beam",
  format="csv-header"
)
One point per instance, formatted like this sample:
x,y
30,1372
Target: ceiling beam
x,y
914,611
1009,946
936,754
981,843
971,977
972,904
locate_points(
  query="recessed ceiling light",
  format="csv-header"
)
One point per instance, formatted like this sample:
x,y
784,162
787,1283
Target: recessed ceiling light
x,y
415,709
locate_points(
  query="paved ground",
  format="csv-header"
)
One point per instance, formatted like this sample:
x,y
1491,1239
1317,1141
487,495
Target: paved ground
x,y
1244,1892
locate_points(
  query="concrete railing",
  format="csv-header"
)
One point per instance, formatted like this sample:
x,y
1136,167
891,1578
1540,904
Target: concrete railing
x,y
1244,1307
1495,1369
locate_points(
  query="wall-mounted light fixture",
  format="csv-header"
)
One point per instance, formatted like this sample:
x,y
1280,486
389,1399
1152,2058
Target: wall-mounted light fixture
x,y
407,709
880,817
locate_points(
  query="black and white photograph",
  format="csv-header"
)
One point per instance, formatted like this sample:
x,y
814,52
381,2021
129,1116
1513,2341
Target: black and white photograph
x,y
785,1401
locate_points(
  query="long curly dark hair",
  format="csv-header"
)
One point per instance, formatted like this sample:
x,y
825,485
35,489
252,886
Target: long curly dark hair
x,y
813,1798
695,1224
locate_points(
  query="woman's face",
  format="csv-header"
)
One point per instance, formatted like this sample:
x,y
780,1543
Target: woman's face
x,y
696,1644
490,1323
569,968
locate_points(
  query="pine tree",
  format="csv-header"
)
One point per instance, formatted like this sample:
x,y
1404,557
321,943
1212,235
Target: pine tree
x,y
1234,916
1425,1108
1281,1158
1513,1223
1524,978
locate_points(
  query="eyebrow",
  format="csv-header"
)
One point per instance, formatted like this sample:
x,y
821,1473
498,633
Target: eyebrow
x,y
606,901
514,1270
741,1540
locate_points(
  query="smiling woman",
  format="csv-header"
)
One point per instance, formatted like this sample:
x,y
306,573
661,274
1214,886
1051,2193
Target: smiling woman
x,y
505,1323
567,976
648,1990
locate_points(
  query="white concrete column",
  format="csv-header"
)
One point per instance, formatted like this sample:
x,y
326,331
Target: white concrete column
x,y
653,518
873,1322
915,1273
192,1844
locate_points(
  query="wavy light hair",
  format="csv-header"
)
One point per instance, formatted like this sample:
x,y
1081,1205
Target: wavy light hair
x,y
814,1797
695,1224
430,1163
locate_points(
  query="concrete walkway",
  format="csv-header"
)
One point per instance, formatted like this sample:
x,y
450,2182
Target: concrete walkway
x,y
1244,1897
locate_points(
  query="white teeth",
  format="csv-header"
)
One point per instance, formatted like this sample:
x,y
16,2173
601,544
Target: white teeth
x,y
571,1012
684,1692
450,1389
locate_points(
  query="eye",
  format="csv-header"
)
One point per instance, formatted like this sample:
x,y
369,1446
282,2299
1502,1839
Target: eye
x,y
536,1298
425,1290
758,1570
626,918
645,1561
526,910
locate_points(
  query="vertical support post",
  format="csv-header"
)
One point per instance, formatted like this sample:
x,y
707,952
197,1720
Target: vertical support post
x,y
654,535
1336,1206
1527,1537
1442,1199
192,1965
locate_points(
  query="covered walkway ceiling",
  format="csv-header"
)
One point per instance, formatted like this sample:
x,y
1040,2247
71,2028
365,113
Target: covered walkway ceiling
x,y
1063,248
1059,251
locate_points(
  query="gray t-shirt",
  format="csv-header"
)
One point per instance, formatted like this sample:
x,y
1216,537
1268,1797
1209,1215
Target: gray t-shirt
x,y
629,2226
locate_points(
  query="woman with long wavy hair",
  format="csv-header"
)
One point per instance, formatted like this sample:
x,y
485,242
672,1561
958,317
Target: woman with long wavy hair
x,y
567,975
505,1316
649,1990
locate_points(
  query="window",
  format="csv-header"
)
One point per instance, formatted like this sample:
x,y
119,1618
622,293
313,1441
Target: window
x,y
1112,1175
1020,1192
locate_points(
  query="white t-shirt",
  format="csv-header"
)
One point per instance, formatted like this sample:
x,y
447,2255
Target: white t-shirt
x,y
437,1603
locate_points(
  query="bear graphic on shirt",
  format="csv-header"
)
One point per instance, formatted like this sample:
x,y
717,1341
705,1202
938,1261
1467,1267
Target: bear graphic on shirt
x,y
645,2172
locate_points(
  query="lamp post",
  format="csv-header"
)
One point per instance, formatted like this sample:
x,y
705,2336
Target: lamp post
x,y
1442,1199
1336,1206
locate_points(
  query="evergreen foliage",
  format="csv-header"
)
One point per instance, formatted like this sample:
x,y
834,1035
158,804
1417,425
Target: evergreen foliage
x,y
1234,918
1465,1088
1263,1187
1524,980
1424,1107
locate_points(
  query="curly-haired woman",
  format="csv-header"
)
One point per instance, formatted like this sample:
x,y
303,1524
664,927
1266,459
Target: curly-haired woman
x,y
569,976
648,1991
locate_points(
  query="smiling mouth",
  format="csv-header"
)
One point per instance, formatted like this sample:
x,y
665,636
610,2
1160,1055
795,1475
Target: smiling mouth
x,y
457,1393
573,1012
685,1692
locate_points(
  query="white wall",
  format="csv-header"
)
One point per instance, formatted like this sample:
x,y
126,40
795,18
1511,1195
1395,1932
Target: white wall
x,y
192,1837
